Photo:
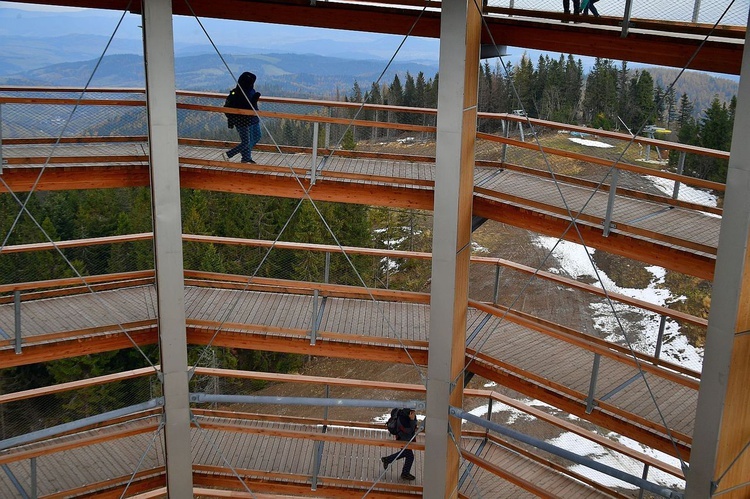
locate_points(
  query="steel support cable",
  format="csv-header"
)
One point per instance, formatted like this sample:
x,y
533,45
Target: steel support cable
x,y
24,203
322,218
454,492
219,453
575,225
734,461
143,456
382,473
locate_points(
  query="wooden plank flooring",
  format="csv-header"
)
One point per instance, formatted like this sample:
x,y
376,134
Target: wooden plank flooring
x,y
250,453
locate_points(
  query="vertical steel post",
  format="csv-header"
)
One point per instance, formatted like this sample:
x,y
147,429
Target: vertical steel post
x,y
696,10
506,134
496,292
660,336
314,328
328,267
1,140
34,494
17,314
626,18
645,477
590,400
680,169
328,130
314,166
161,105
611,202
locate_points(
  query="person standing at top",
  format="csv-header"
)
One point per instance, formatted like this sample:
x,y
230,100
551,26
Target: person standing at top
x,y
407,427
244,96
576,7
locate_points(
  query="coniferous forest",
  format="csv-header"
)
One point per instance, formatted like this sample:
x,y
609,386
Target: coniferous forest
x,y
611,97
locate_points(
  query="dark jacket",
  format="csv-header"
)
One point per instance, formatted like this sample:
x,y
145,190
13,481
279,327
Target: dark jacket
x,y
406,427
243,96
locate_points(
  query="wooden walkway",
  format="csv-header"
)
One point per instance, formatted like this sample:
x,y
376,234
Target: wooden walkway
x,y
266,457
648,229
506,347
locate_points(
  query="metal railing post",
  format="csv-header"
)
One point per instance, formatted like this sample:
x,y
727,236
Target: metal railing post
x,y
34,494
2,161
328,130
314,166
611,202
680,169
696,10
496,292
660,336
318,449
17,314
626,18
328,267
314,328
645,477
506,134
590,403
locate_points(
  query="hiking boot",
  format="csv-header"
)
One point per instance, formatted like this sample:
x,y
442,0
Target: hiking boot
x,y
408,476
385,463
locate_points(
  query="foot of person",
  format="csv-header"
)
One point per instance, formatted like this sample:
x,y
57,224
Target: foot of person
x,y
408,476
249,161
385,463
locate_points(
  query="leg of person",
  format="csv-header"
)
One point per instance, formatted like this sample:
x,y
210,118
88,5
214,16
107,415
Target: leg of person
x,y
408,461
254,138
244,146
566,6
242,131
576,7
592,8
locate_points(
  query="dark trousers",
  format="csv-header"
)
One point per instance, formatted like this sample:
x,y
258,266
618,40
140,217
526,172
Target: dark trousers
x,y
576,6
249,136
407,455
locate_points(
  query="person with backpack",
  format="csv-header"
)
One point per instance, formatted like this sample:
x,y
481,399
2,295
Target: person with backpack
x,y
404,423
244,96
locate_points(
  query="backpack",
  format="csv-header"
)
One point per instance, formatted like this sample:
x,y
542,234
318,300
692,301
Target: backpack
x,y
231,102
392,423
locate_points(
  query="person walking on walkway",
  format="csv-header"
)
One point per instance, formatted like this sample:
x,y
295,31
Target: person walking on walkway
x,y
244,96
576,7
407,428
589,7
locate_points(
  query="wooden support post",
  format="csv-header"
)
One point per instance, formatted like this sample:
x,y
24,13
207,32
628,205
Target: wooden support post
x,y
460,33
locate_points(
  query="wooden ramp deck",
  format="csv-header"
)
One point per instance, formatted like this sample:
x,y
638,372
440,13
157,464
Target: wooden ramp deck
x,y
655,229
263,456
541,365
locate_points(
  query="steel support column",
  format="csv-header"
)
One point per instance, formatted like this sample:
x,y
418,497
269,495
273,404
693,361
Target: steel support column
x,y
721,460
460,30
161,104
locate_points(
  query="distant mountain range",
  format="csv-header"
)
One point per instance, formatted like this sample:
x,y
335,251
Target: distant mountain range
x,y
61,49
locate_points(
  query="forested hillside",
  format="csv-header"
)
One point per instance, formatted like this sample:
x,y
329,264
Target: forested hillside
x,y
611,96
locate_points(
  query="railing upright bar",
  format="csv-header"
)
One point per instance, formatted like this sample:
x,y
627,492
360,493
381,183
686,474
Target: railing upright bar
x,y
17,314
696,10
1,140
590,402
328,130
496,292
626,18
645,477
314,328
680,169
660,336
326,277
314,166
34,494
611,202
